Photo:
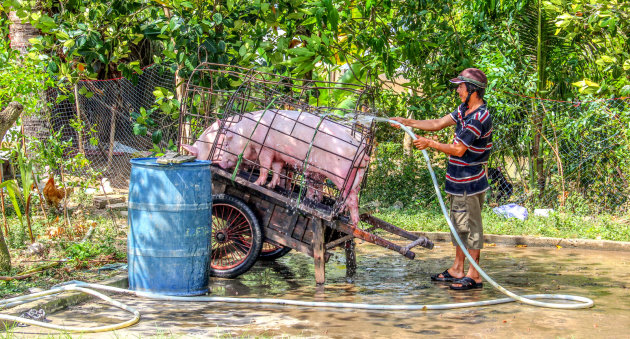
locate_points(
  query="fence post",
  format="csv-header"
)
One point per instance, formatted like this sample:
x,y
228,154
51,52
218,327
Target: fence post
x,y
78,107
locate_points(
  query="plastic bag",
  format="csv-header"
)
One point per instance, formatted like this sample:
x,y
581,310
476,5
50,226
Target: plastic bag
x,y
512,211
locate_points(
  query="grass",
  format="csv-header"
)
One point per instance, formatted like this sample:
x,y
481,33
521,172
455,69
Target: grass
x,y
557,225
65,255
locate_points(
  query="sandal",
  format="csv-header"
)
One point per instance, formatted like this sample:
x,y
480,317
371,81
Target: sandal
x,y
445,276
466,283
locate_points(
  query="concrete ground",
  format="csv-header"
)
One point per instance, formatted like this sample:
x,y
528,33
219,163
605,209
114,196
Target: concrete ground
x,y
519,263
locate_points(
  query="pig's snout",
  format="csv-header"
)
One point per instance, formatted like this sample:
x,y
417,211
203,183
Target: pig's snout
x,y
191,149
227,162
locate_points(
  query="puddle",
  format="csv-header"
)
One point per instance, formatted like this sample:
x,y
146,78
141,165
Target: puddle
x,y
384,277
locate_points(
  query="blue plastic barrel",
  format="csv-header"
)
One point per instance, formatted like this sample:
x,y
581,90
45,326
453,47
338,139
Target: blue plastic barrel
x,y
170,211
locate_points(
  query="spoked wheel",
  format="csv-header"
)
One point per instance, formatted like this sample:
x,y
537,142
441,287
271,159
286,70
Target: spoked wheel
x,y
272,252
236,237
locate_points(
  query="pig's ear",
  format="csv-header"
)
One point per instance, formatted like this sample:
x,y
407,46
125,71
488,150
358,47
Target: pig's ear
x,y
191,149
215,126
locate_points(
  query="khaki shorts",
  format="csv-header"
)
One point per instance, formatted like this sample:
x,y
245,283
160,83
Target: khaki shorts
x,y
466,217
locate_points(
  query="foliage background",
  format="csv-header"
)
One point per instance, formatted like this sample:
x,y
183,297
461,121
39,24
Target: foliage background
x,y
558,50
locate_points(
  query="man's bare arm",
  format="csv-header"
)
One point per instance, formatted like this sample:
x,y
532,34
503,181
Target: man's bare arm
x,y
457,149
427,125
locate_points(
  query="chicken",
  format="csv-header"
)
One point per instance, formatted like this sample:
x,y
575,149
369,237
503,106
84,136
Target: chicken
x,y
54,195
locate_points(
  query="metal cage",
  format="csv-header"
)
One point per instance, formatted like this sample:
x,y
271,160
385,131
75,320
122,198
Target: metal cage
x,y
240,117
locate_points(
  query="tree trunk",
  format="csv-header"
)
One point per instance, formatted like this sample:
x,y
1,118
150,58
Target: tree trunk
x,y
8,116
20,33
5,257
180,91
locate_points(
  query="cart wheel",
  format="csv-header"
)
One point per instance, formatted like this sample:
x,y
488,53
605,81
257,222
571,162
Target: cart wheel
x,y
236,237
272,252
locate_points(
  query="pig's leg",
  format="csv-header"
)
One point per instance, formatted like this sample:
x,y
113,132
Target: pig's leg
x,y
315,187
265,159
352,203
276,167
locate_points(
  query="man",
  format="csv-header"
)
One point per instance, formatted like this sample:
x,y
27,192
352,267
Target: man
x,y
466,180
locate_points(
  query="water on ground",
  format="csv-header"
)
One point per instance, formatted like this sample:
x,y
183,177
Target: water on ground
x,y
384,277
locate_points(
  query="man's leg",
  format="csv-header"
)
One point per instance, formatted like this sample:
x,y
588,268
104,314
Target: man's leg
x,y
457,270
472,272
475,237
459,219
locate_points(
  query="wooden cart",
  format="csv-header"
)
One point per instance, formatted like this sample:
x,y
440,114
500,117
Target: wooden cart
x,y
263,112
251,222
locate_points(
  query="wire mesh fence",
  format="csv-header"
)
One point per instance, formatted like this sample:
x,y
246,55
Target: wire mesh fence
x,y
556,153
546,154
100,124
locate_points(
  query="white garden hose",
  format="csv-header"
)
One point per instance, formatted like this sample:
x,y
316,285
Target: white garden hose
x,y
579,302
583,302
8,303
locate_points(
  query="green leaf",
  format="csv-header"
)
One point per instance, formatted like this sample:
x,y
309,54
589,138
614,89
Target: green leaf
x,y
46,23
13,191
301,51
169,54
217,18
158,93
626,65
297,60
156,137
166,107
139,129
53,67
61,35
26,172
309,21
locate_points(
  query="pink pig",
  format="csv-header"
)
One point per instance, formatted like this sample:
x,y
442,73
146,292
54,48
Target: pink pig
x,y
288,142
202,146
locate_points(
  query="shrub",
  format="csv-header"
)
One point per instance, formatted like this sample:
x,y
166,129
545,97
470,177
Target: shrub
x,y
394,176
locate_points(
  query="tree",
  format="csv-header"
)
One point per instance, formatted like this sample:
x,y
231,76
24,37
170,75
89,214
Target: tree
x,y
8,116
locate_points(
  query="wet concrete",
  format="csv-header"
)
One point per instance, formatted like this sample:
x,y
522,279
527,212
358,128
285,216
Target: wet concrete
x,y
385,277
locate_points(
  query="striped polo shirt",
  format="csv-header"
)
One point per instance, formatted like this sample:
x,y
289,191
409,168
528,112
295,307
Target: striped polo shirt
x,y
467,174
